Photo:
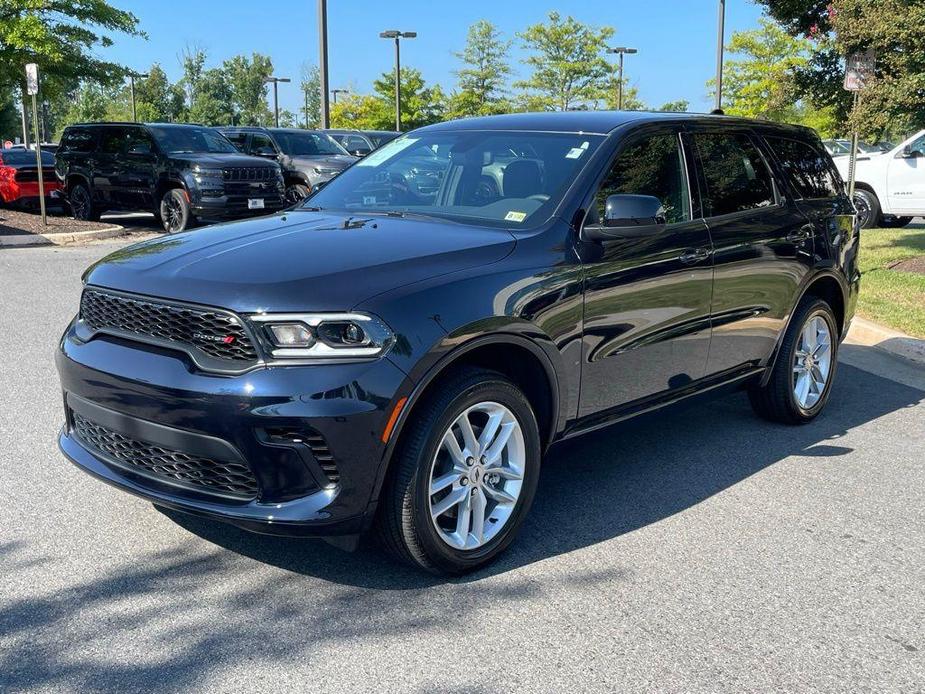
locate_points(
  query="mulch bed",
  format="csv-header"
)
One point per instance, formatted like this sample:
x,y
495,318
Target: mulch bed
x,y
18,223
912,265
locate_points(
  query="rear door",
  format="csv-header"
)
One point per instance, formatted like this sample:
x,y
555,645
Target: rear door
x,y
647,300
108,166
763,247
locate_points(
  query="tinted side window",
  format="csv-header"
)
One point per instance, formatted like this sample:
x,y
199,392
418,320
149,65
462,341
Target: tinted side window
x,y
810,171
111,140
239,140
736,176
355,143
653,166
260,141
78,140
139,140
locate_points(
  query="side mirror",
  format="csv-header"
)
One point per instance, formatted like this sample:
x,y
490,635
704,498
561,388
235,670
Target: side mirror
x,y
629,216
360,152
265,152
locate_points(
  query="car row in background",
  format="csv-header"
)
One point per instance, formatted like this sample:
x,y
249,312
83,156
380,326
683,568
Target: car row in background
x,y
361,142
840,148
19,177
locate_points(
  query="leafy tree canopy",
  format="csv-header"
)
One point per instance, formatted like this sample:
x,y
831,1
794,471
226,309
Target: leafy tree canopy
x,y
483,75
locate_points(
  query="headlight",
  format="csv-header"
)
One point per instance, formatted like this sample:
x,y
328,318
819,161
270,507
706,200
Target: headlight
x,y
324,335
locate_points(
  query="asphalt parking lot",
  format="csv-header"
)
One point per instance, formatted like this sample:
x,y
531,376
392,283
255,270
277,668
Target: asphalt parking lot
x,y
703,550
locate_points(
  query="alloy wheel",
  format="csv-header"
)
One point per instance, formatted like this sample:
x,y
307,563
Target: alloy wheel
x,y
172,214
293,195
80,203
862,205
812,362
476,476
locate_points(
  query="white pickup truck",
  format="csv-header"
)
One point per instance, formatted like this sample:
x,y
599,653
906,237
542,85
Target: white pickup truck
x,y
890,187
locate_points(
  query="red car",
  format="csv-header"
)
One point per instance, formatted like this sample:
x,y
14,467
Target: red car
x,y
19,178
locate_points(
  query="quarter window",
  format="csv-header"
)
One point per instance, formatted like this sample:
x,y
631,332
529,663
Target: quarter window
x,y
810,171
653,166
736,177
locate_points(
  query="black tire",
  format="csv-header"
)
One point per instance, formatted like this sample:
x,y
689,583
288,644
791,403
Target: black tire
x,y
296,193
175,213
777,401
81,204
404,524
895,222
868,208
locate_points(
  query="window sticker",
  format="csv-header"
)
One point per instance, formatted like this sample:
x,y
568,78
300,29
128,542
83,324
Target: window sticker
x,y
387,151
514,216
369,199
576,152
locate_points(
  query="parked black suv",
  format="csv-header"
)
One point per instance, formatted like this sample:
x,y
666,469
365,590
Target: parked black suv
x,y
362,142
181,173
401,357
308,157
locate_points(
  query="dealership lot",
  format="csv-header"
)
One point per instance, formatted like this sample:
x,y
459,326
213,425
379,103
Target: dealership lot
x,y
702,550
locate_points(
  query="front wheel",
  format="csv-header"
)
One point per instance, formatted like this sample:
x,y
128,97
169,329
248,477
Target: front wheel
x,y
801,380
175,213
868,208
464,477
296,193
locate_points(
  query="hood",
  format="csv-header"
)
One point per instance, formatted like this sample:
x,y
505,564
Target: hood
x,y
219,159
338,162
297,260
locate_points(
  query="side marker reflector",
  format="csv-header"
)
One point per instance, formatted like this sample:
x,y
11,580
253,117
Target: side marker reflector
x,y
399,406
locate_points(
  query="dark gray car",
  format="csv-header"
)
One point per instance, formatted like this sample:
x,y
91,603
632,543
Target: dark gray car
x,y
307,157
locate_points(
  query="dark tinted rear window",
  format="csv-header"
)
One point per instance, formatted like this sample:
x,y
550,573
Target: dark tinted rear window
x,y
22,157
809,170
736,177
77,140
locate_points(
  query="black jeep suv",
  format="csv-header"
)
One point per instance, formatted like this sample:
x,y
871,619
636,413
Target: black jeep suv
x,y
401,357
181,173
308,157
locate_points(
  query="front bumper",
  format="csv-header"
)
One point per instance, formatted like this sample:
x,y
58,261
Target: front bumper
x,y
159,397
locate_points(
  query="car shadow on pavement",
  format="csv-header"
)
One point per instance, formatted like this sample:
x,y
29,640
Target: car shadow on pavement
x,y
611,482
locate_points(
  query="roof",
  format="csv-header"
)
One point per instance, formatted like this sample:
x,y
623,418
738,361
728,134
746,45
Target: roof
x,y
599,122
260,128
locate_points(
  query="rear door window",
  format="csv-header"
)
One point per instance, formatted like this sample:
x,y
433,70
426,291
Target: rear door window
x,y
809,170
735,175
112,140
261,143
78,140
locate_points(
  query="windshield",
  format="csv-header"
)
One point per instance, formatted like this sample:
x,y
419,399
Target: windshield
x,y
306,144
174,139
508,179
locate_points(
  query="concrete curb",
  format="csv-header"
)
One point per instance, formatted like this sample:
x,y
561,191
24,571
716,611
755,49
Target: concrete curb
x,y
865,332
64,239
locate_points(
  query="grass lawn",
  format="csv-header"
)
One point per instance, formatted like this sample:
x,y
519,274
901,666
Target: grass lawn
x,y
896,299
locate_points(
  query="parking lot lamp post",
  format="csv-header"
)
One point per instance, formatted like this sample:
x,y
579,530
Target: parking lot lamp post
x,y
276,81
335,92
720,38
397,35
324,109
621,51
131,78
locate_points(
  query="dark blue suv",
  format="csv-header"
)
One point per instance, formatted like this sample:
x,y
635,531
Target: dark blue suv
x,y
399,351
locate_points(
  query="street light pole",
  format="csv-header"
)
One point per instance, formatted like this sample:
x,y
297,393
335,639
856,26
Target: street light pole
x,y
720,39
621,51
276,81
397,35
335,92
131,77
322,64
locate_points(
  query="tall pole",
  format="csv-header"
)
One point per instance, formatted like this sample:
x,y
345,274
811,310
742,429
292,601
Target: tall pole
x,y
397,85
132,88
306,108
323,63
276,102
25,127
620,93
38,159
720,40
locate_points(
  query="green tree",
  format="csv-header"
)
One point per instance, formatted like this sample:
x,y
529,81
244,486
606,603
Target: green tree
x,y
62,37
679,106
10,126
609,94
89,104
311,96
567,63
420,104
212,99
365,112
485,72
758,76
895,100
157,99
247,79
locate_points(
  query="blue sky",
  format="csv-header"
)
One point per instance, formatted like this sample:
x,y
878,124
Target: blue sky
x,y
675,38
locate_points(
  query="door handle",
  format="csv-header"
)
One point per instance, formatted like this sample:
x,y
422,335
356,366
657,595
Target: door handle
x,y
694,255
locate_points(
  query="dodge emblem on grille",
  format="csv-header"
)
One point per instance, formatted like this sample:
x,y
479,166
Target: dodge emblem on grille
x,y
226,340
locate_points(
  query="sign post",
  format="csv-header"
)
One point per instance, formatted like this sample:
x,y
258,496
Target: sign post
x,y
32,88
860,70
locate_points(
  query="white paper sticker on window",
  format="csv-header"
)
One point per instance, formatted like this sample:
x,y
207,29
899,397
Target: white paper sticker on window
x,y
513,216
387,151
576,152
369,199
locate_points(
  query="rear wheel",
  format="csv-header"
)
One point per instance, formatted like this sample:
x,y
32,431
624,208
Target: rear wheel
x,y
465,475
81,202
175,211
801,380
868,208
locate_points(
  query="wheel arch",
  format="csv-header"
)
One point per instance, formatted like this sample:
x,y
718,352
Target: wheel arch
x,y
825,285
164,184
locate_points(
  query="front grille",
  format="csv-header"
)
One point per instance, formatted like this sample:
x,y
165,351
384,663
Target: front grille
x,y
315,442
249,174
231,479
217,334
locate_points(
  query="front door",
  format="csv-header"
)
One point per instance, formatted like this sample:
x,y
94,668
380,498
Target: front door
x,y
108,166
906,180
647,300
